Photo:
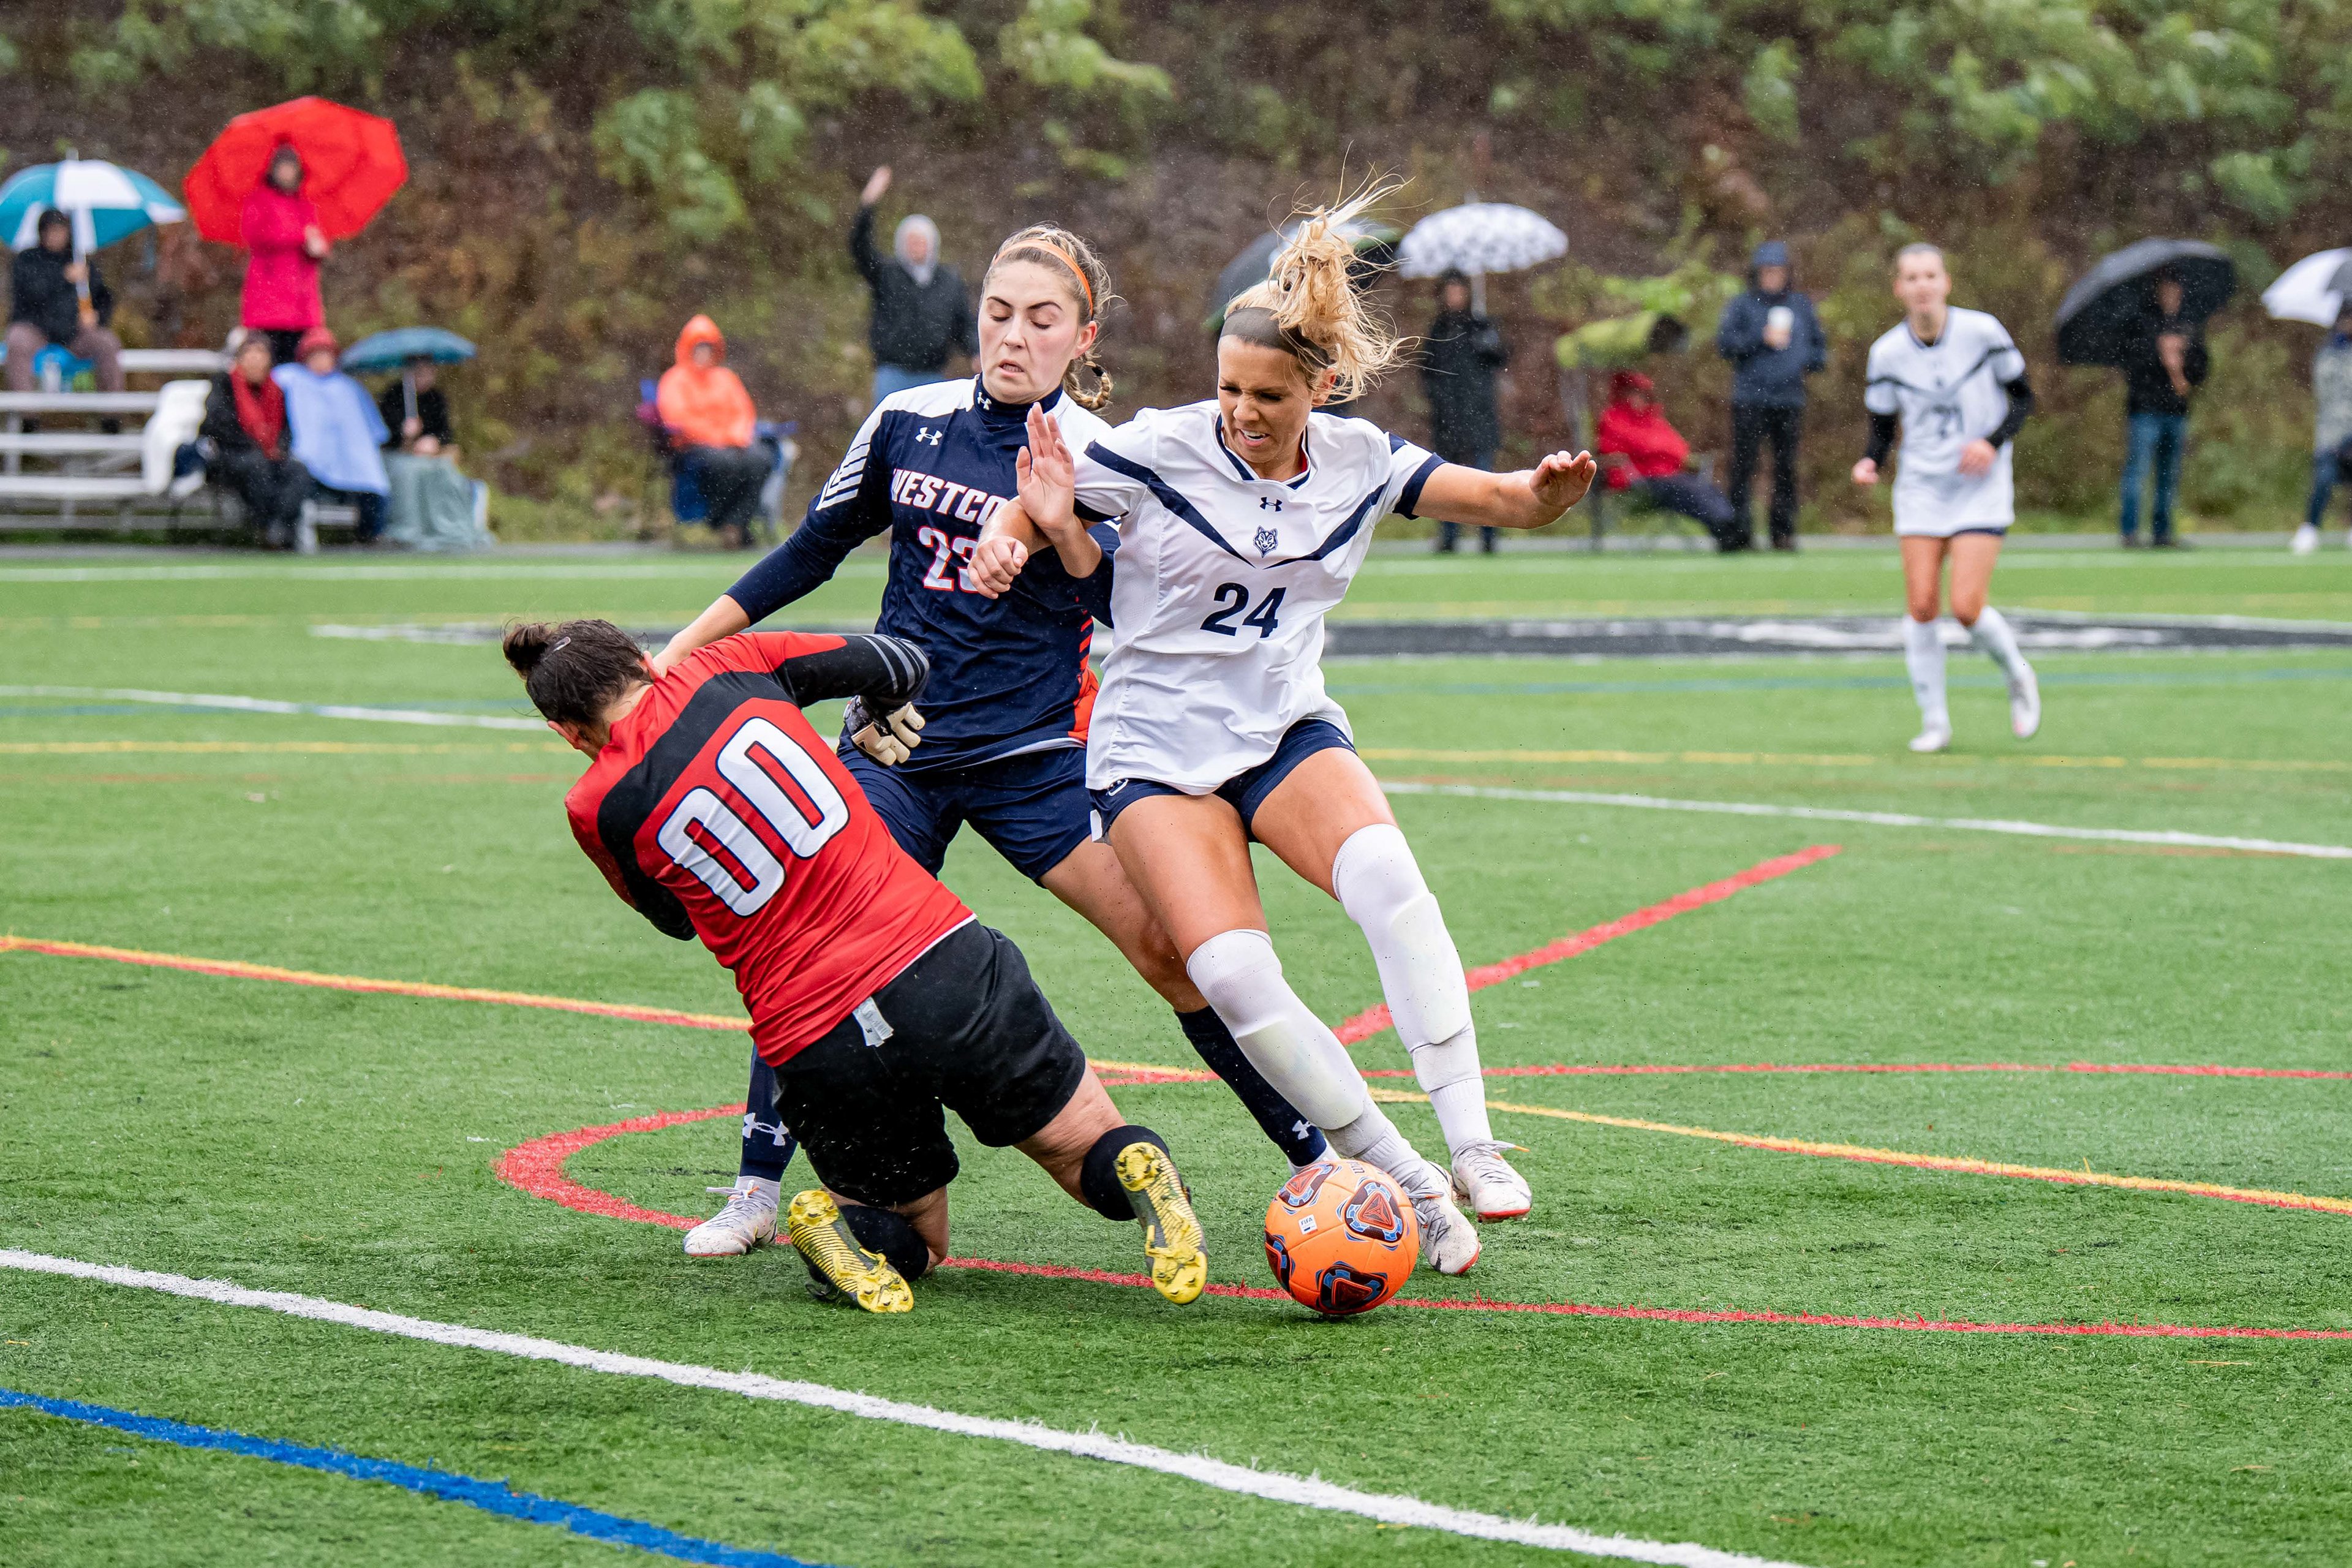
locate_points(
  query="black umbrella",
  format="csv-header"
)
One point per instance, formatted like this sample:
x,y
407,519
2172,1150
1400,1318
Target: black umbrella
x,y
1375,249
2101,315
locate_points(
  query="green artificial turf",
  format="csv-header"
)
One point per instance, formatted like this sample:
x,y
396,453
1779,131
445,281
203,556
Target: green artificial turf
x,y
342,1144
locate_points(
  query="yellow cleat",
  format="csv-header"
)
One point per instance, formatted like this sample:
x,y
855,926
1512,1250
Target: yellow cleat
x,y
837,1264
1171,1232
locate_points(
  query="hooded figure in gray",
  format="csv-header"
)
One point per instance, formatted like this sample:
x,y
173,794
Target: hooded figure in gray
x,y
923,312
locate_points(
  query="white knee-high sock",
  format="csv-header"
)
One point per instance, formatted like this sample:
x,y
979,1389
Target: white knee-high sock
x,y
1380,887
1992,635
1238,973
1923,653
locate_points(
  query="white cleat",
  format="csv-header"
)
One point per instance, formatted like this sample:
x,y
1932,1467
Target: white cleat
x,y
748,1220
1448,1240
1485,1180
2306,540
2024,706
1934,738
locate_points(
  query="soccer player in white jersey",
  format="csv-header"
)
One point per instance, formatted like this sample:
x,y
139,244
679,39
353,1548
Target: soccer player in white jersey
x,y
1956,384
1242,521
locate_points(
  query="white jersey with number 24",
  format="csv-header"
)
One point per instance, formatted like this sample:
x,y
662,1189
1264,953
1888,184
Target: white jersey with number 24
x,y
1221,583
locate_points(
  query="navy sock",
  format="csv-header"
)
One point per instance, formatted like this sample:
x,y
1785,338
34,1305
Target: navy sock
x,y
1299,1140
1099,1172
888,1232
767,1147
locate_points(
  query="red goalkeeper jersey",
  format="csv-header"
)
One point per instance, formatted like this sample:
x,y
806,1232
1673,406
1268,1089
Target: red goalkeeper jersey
x,y
716,812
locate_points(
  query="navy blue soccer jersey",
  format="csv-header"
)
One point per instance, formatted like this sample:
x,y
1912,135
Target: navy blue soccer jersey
x,y
933,465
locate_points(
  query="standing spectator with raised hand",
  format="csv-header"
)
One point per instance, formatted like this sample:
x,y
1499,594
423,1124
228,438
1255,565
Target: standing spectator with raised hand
x,y
2331,390
44,307
923,312
707,413
280,230
2163,366
1460,359
1774,341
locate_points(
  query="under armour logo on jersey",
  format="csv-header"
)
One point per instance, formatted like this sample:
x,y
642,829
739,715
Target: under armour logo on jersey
x,y
1269,503
927,434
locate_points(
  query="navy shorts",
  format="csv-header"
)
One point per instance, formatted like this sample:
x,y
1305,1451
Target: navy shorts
x,y
1245,791
1032,809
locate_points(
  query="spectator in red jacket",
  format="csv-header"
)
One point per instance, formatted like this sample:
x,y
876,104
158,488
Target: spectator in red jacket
x,y
1641,452
280,230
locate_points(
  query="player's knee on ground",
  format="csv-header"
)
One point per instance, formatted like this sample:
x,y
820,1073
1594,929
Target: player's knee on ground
x,y
891,1234
1099,1172
1380,886
1238,972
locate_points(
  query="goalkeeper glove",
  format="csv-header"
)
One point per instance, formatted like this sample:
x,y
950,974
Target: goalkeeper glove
x,y
889,739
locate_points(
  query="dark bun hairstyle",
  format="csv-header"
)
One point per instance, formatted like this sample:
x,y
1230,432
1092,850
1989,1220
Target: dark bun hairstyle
x,y
572,671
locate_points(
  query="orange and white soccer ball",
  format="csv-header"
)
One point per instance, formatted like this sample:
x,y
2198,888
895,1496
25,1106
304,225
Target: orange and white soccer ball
x,y
1341,1238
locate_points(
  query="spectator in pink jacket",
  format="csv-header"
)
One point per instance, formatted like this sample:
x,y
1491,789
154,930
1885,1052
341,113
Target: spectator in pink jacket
x,y
280,230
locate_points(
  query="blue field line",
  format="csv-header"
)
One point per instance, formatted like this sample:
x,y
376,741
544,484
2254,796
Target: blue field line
x,y
1812,683
490,1497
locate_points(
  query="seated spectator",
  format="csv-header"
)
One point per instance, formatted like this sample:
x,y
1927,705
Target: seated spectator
x,y
338,435
246,444
1640,451
709,416
44,307
430,505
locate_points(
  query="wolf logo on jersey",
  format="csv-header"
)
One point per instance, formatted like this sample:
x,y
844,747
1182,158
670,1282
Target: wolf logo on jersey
x,y
1223,581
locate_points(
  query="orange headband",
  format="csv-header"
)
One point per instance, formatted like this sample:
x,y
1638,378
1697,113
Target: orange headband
x,y
1064,258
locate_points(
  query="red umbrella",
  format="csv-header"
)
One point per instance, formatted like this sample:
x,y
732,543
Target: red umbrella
x,y
351,164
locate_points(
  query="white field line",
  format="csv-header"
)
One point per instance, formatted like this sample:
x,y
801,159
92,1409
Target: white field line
x,y
1877,818
1273,1486
265,705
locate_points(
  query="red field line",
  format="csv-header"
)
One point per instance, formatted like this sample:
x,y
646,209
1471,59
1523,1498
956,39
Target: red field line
x,y
1372,1020
536,1168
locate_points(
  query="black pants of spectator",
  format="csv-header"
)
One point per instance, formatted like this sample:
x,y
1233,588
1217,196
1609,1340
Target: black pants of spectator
x,y
1449,534
1695,498
283,343
731,480
273,490
1752,425
367,503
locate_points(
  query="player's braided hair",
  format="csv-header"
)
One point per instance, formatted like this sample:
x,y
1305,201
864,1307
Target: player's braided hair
x,y
1309,308
572,672
1059,251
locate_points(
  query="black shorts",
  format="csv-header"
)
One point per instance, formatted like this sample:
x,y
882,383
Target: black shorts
x,y
967,1031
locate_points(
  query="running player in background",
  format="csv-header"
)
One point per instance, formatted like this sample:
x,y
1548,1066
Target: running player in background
x,y
1002,733
876,999
1956,384
1242,521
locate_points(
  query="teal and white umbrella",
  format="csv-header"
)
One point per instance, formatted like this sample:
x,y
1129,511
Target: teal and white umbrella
x,y
105,201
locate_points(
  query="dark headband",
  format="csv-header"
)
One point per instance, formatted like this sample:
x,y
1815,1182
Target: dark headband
x,y
1256,325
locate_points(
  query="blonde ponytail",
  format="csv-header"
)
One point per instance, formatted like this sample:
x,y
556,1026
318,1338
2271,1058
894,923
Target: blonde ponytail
x,y
1309,308
1056,248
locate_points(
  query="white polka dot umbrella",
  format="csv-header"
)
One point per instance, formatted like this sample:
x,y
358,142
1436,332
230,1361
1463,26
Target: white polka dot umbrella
x,y
1479,237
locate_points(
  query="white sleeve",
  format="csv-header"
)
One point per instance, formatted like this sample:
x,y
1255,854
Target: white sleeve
x,y
1879,395
2000,353
1114,471
1409,470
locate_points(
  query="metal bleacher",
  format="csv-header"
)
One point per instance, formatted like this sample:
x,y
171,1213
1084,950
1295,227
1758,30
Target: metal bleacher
x,y
72,475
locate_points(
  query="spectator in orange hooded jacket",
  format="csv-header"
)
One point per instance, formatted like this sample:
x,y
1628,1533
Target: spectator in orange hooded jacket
x,y
709,416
